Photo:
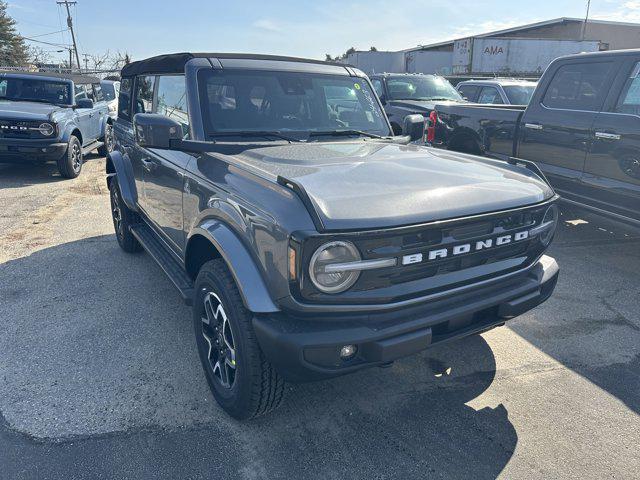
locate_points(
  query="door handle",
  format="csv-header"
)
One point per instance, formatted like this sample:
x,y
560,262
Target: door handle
x,y
533,126
608,136
149,165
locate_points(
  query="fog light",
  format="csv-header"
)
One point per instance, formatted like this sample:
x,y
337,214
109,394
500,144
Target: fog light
x,y
348,351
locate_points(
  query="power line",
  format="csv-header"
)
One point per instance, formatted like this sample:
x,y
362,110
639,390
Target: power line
x,y
43,42
51,33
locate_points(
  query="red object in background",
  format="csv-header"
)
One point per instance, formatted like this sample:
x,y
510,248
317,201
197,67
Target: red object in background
x,y
431,126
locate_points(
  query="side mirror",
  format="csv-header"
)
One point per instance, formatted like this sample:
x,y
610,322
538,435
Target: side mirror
x,y
84,103
155,131
383,99
413,127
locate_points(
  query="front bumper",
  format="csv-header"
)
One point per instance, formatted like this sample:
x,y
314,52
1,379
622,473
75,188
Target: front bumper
x,y
304,349
26,150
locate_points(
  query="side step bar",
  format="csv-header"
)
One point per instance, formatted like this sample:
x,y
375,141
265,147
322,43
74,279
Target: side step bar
x,y
167,262
91,147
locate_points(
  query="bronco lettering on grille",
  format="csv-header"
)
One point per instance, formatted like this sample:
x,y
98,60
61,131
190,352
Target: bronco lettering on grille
x,y
465,248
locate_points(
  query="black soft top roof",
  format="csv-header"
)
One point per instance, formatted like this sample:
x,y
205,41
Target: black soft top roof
x,y
75,78
175,62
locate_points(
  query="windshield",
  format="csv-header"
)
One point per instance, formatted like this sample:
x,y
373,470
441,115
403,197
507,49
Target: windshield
x,y
35,90
291,102
108,91
421,87
519,94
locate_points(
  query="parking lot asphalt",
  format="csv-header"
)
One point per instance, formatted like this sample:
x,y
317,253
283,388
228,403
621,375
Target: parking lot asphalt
x,y
100,377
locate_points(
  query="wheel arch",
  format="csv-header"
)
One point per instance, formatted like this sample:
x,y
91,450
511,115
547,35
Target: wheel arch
x,y
118,167
213,239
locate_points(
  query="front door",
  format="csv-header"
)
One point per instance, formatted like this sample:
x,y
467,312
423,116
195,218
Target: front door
x,y
555,130
164,170
612,169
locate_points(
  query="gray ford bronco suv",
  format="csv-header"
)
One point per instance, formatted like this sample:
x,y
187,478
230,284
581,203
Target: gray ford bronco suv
x,y
309,240
52,117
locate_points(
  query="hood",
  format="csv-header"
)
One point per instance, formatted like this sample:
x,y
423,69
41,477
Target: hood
x,y
26,110
421,105
368,185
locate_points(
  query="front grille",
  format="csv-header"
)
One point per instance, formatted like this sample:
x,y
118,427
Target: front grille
x,y
20,129
432,275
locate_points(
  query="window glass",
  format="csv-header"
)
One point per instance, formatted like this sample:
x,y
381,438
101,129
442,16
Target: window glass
x,y
108,90
578,86
172,99
629,101
490,95
79,92
35,90
245,100
144,94
519,94
124,99
377,86
469,92
421,87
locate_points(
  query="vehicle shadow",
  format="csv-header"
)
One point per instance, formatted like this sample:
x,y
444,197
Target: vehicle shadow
x,y
115,353
17,175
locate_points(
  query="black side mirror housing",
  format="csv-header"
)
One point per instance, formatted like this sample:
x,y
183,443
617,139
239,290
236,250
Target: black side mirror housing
x,y
152,130
84,103
413,127
383,99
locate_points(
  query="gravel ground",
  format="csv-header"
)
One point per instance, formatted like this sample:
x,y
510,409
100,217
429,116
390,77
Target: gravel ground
x,y
100,377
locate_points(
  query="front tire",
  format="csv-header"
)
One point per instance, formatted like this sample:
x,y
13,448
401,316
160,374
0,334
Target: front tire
x,y
70,164
241,379
123,218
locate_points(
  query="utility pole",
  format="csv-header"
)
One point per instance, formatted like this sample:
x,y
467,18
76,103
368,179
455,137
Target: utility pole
x,y
586,19
86,61
66,3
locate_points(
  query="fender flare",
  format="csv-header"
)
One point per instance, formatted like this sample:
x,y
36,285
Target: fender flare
x,y
253,290
68,129
119,166
103,125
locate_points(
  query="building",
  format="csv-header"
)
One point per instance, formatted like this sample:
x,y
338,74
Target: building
x,y
519,51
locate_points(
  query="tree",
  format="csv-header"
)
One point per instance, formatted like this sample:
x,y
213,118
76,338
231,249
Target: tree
x,y
38,56
373,49
13,50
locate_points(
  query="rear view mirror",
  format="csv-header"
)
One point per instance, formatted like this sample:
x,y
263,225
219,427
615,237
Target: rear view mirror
x,y
155,131
413,127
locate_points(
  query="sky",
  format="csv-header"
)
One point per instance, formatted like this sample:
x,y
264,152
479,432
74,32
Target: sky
x,y
302,28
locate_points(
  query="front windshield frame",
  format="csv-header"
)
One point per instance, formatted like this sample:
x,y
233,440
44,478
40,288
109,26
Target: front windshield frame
x,y
509,92
318,116
36,82
424,82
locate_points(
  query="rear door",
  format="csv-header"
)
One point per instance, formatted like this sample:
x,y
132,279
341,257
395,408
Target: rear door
x,y
555,131
612,168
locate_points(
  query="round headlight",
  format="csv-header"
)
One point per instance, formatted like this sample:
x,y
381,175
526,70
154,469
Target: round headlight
x,y
333,253
550,217
46,129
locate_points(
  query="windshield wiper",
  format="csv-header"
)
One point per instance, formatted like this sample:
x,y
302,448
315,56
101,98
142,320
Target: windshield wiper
x,y
344,133
258,133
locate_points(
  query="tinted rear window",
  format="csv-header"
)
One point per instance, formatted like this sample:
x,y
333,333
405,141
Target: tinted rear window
x,y
578,86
